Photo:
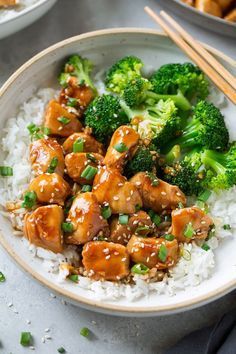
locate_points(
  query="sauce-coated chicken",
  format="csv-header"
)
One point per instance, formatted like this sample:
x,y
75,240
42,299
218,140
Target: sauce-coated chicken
x,y
77,162
157,194
42,152
60,121
82,93
139,222
85,216
105,260
42,227
111,187
148,251
190,223
50,188
90,143
209,6
124,138
8,3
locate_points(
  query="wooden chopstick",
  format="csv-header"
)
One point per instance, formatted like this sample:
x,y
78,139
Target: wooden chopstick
x,y
201,50
203,65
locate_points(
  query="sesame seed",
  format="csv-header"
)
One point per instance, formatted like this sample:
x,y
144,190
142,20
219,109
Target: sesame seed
x,y
10,304
108,256
106,250
148,259
135,222
131,192
163,193
163,206
203,222
178,194
116,198
138,183
117,277
128,199
47,330
123,259
43,340
116,253
153,254
120,184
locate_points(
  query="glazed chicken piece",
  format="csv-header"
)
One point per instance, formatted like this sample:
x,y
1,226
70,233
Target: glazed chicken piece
x,y
153,252
190,223
90,143
8,3
85,216
60,121
105,260
231,16
78,162
82,93
157,194
139,222
110,187
123,145
42,227
42,153
209,6
224,4
50,188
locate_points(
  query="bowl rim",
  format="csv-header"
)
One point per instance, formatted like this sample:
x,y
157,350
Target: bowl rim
x,y
205,14
75,298
24,12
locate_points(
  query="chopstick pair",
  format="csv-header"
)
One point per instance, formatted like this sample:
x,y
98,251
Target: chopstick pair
x,y
221,77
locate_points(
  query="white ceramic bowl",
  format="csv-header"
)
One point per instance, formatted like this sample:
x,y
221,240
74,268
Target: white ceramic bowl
x,y
104,47
25,17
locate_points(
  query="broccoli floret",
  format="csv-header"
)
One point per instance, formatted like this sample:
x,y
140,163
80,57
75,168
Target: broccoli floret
x,y
158,123
138,91
187,174
187,78
207,129
222,168
122,72
143,160
78,67
104,115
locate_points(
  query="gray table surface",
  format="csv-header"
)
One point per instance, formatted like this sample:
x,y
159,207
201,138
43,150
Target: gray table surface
x,y
31,302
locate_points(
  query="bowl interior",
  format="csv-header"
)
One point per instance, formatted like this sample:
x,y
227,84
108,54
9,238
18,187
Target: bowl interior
x,y
103,48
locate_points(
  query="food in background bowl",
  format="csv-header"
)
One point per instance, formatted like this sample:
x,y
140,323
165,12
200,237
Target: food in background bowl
x,y
221,8
11,8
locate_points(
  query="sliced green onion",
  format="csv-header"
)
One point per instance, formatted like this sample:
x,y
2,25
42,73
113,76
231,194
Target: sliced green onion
x,y
63,120
185,254
53,165
137,207
74,278
82,82
68,204
25,339
89,172
121,147
106,212
46,130
169,237
162,254
2,277
6,171
139,268
156,219
204,196
86,188
37,136
200,204
101,238
61,350
32,128
227,227
205,247
180,205
91,157
72,102
67,226
78,145
123,219
141,228
153,179
189,231
30,199
84,332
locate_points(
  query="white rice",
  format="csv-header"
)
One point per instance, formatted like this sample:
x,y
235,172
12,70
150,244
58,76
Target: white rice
x,y
10,12
190,271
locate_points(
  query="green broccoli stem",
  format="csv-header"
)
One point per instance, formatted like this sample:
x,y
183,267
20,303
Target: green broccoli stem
x,y
172,155
128,111
179,99
215,160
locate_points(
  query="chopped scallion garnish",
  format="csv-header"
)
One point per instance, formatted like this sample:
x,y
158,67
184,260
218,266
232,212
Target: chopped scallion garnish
x,y
189,230
121,147
61,350
53,165
2,277
74,278
89,172
6,171
78,145
205,247
106,212
84,332
63,120
156,219
227,227
185,254
204,196
153,178
46,130
67,226
25,339
169,237
32,128
91,157
30,199
162,254
137,207
123,219
139,268
86,188
72,102
141,228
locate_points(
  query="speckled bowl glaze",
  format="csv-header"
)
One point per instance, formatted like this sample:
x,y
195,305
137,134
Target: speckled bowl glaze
x,y
104,47
25,17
